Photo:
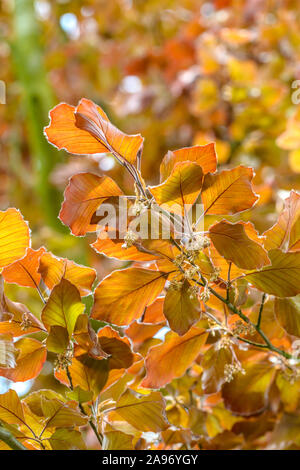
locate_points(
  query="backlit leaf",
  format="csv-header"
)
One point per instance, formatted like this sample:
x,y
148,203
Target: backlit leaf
x,y
234,243
287,313
87,130
285,234
123,295
144,412
170,359
63,307
24,272
83,195
181,308
247,394
281,278
204,155
53,269
228,192
14,236
31,355
11,410
181,188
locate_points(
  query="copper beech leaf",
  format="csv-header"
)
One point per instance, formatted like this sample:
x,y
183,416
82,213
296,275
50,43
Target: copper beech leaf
x,y
30,358
143,412
281,278
123,295
247,394
204,155
67,439
116,347
87,373
181,308
14,236
228,192
181,188
286,232
213,364
24,272
59,415
86,129
83,195
171,359
63,307
115,249
287,312
16,319
54,269
116,440
11,409
234,243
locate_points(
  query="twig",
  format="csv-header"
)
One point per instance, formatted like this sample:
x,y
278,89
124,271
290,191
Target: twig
x,y
10,440
91,423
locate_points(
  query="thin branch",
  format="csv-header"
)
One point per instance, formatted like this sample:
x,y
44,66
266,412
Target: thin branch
x,y
91,423
261,309
10,440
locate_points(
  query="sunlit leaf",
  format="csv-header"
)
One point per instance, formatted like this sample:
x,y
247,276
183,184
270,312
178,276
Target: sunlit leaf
x,y
180,189
29,360
171,359
144,412
53,269
83,195
287,313
63,307
24,272
281,278
118,348
247,394
87,130
11,410
286,232
14,236
123,295
228,192
87,373
234,243
67,439
204,155
181,308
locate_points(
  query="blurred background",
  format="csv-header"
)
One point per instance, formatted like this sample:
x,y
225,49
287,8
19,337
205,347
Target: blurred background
x,y
180,72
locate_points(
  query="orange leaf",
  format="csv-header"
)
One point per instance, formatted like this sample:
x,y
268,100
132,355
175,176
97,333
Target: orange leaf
x,y
117,347
281,278
29,362
154,313
204,155
14,236
113,249
170,360
228,192
24,272
123,295
233,243
247,394
87,373
181,309
53,269
181,188
87,130
286,232
83,195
